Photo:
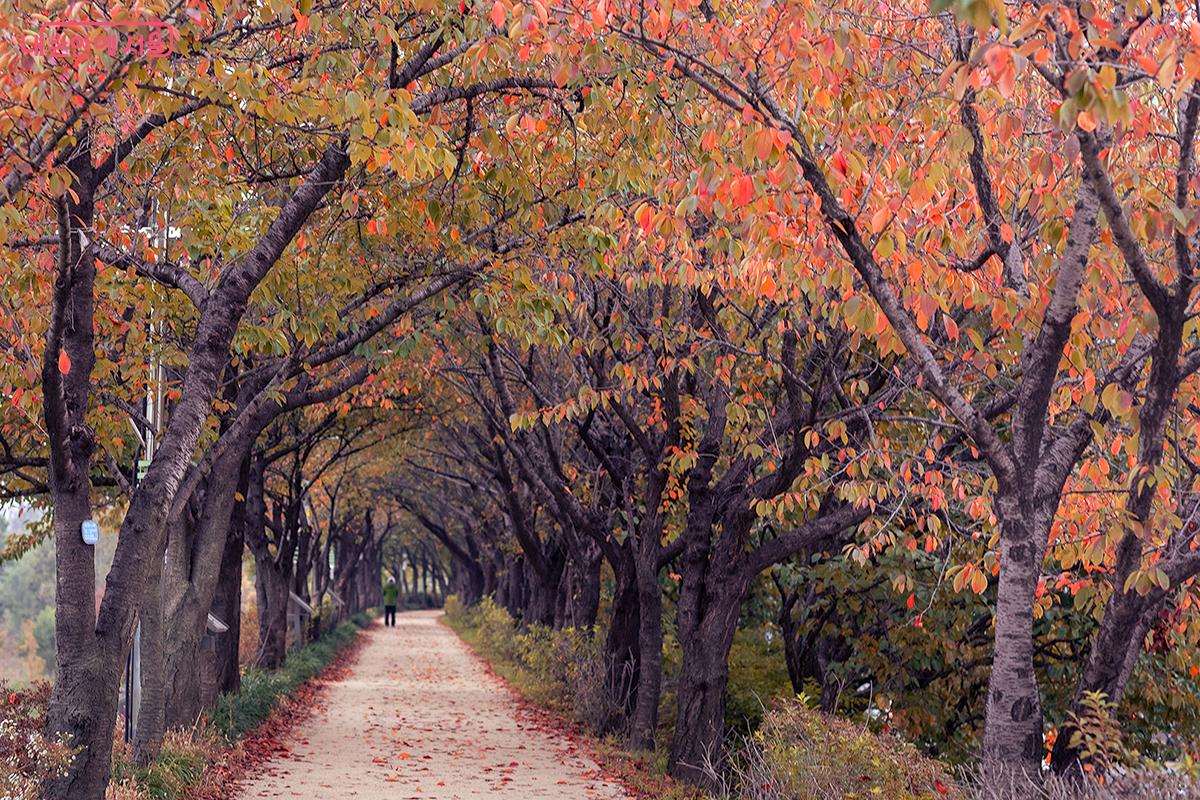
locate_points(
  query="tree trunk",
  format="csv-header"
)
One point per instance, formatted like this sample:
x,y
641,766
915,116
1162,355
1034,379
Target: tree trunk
x,y
622,646
227,601
272,591
649,687
94,645
227,597
697,747
151,719
1012,737
1115,650
83,703
585,603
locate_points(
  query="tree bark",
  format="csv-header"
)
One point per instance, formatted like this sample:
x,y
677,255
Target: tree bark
x,y
227,601
649,685
697,748
622,644
1013,713
83,703
151,719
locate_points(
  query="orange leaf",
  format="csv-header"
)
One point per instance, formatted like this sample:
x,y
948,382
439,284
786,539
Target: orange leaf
x,y
742,191
498,14
64,362
645,217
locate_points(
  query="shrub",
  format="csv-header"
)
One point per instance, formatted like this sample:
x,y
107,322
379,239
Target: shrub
x,y
27,757
179,767
801,754
187,753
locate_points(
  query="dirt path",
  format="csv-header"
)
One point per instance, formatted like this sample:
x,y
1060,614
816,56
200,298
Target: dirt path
x,y
419,718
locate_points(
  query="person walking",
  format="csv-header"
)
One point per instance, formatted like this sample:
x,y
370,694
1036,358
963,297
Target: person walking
x,y
389,602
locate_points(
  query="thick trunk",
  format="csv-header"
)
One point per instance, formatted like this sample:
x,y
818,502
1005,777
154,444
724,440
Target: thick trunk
x,y
622,645
1012,738
272,592
542,589
182,667
83,703
227,601
194,554
585,602
151,719
649,687
1115,650
475,583
562,599
697,748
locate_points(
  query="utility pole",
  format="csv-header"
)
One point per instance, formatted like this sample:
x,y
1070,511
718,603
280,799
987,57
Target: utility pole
x,y
152,414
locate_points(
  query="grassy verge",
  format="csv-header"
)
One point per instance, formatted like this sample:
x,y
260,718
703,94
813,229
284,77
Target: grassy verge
x,y
179,771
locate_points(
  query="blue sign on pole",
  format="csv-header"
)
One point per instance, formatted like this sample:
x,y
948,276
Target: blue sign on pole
x,y
91,531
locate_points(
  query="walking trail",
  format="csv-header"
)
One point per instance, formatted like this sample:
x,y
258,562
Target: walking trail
x,y
418,717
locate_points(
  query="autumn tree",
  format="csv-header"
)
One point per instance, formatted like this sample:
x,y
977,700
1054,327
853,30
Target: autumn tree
x,y
982,219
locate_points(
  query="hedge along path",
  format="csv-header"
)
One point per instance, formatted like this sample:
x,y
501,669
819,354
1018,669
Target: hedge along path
x,y
418,717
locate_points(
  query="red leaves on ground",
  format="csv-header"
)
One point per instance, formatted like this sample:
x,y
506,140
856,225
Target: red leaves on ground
x,y
244,759
624,772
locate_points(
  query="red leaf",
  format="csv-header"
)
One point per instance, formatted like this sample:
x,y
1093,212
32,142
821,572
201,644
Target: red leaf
x,y
912,600
743,191
64,362
841,164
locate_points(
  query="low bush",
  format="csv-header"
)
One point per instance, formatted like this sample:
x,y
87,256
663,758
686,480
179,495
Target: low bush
x,y
187,753
180,765
799,753
1150,783
27,757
